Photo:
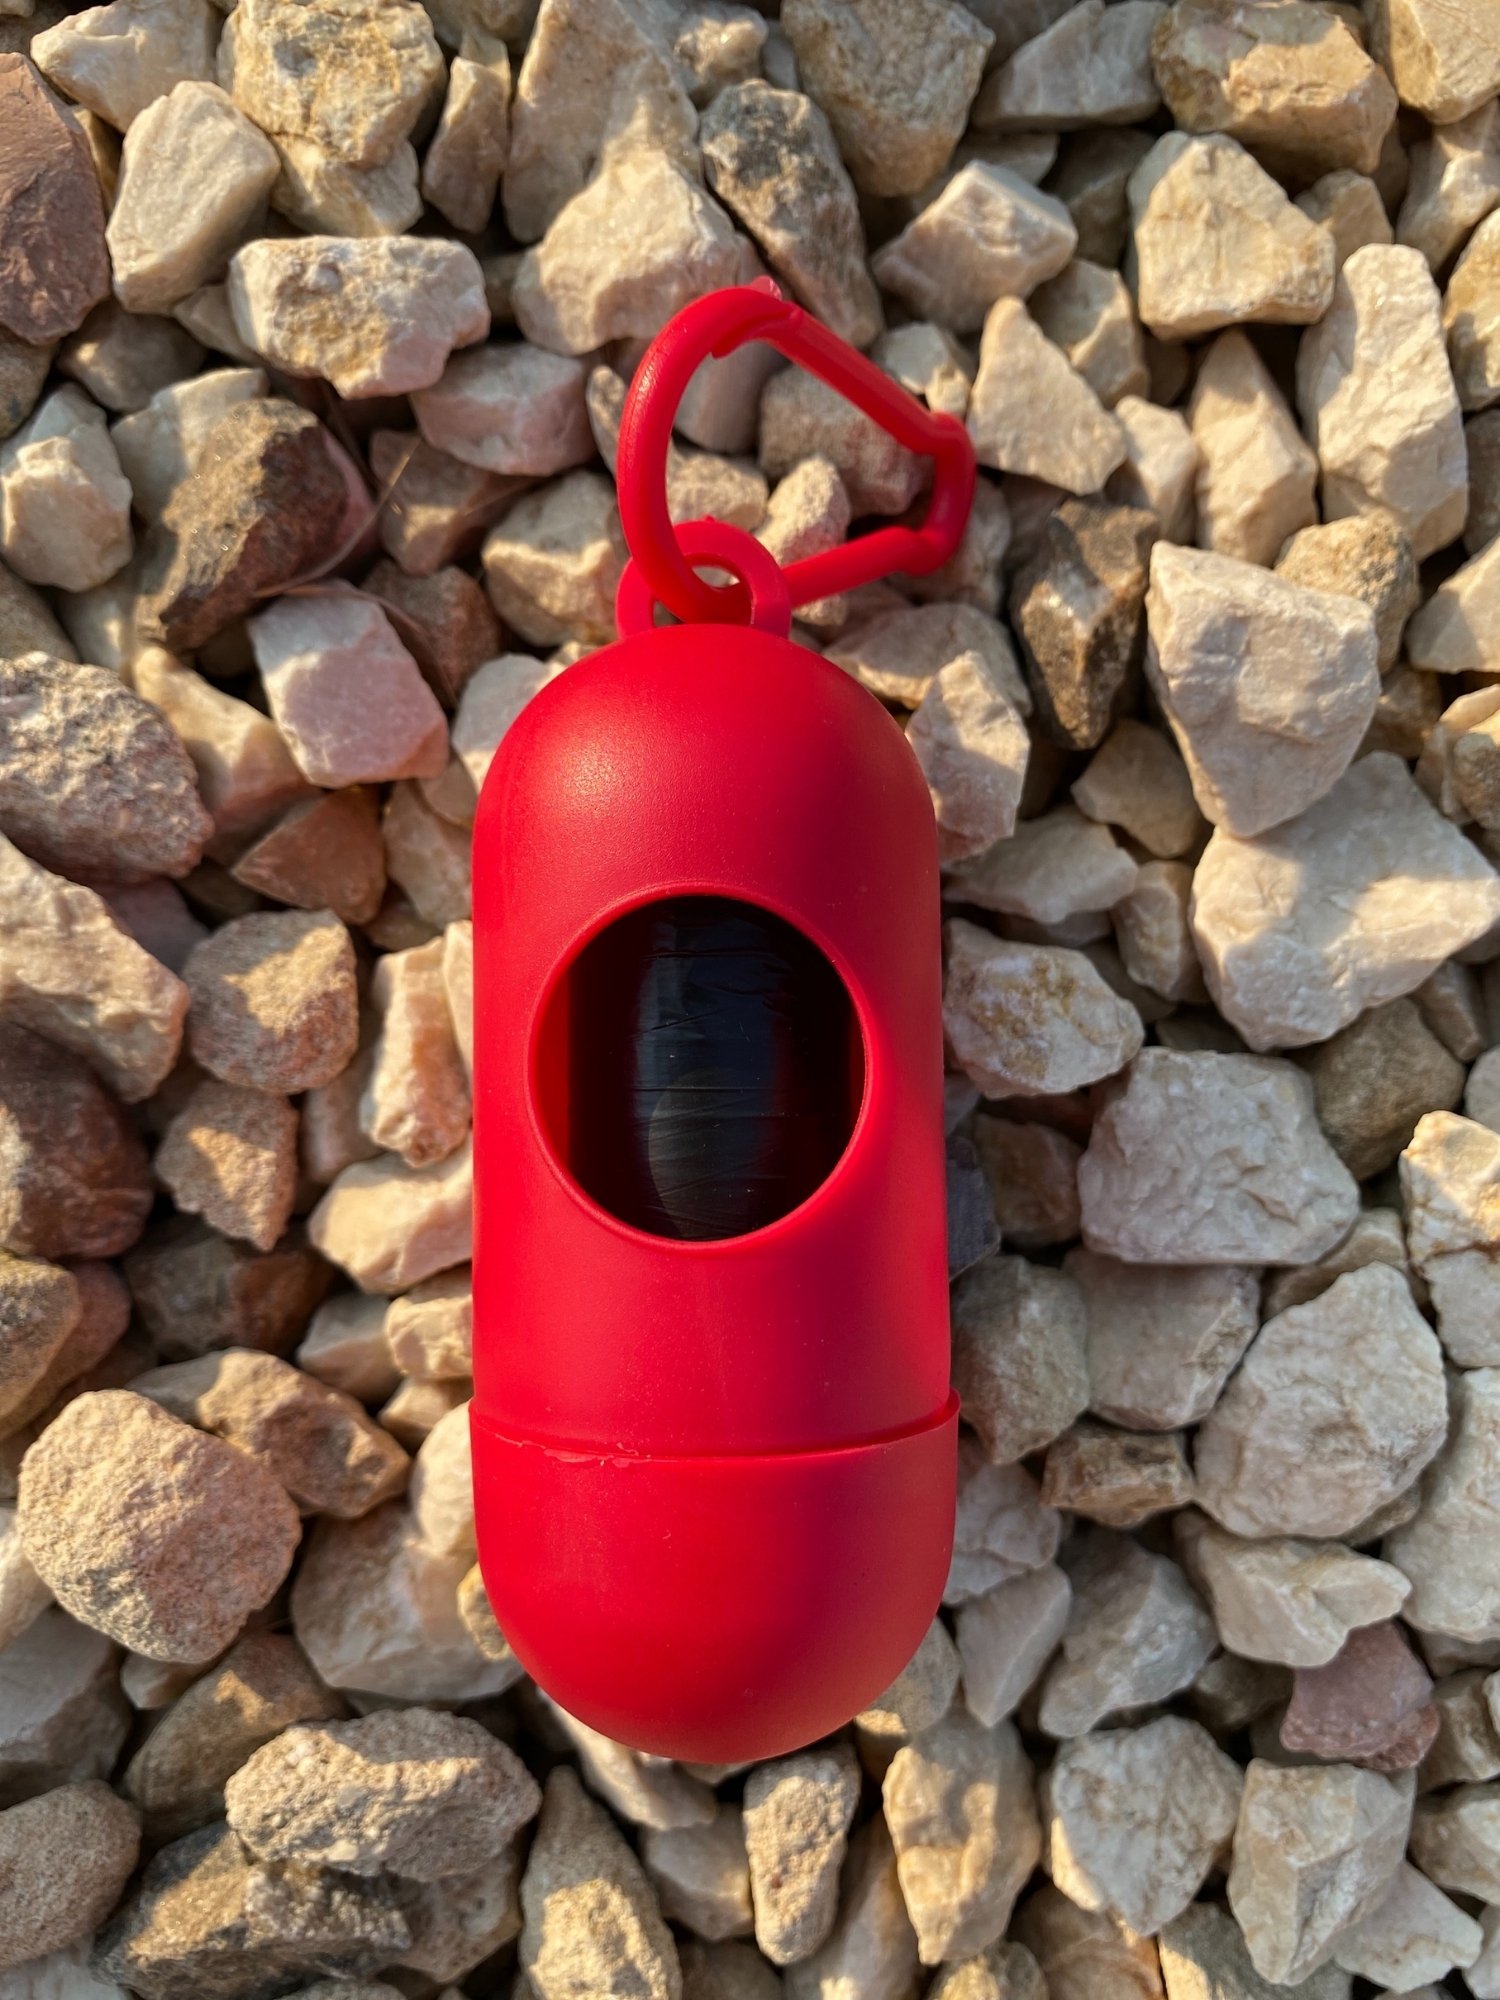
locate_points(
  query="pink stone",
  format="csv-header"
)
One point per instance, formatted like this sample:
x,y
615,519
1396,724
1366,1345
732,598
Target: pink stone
x,y
1371,1705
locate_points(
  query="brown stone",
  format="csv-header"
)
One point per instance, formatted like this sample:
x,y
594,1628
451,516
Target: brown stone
x,y
64,1858
274,1003
1118,1478
53,263
1371,1705
198,1292
230,1155
1032,1171
263,507
444,620
1374,1080
326,853
74,1181
1076,606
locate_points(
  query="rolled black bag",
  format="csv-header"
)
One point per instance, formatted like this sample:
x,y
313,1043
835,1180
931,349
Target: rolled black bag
x,y
715,1068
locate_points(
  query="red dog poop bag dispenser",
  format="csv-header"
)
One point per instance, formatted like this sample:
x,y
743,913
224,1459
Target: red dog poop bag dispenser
x,y
714,1438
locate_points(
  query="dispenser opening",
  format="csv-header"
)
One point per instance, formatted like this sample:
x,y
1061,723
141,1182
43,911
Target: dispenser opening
x,y
700,1068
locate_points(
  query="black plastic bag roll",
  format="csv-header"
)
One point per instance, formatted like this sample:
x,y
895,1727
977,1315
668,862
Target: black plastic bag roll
x,y
714,1068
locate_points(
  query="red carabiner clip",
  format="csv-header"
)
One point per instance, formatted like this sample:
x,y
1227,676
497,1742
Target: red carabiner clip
x,y
717,325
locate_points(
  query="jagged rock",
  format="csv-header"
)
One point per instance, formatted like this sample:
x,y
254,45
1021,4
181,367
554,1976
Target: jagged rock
x,y
64,1857
1032,412
988,234
1445,61
1018,1360
797,1815
1090,67
64,503
1007,1636
1027,1019
1371,1704
74,1181
1137,1633
1414,1933
198,1292
389,1225
52,247
1050,869
1256,478
1002,1530
1447,1174
274,1005
230,1155
1365,556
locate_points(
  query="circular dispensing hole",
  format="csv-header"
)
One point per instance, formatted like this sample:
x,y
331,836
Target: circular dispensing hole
x,y
699,1068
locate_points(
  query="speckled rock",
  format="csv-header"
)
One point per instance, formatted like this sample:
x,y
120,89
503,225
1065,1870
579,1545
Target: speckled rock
x,y
160,1536
273,1000
74,1181
52,236
797,1814
64,1858
1019,1361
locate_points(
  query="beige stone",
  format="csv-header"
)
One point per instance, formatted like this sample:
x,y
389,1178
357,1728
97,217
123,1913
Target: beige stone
x,y
1217,242
64,1859
1213,1159
389,1225
345,1346
325,195
592,1921
1455,1840
467,154
962,1816
416,1102
1351,205
987,235
552,565
429,1330
701,1875
273,1000
1032,412
1116,1478
1286,1600
373,316
1472,320
1342,912
771,158
374,1608
1455,632
354,76
1203,1957
1001,1529
797,1815
1088,312
62,1715
435,507
1090,67
1007,1636
1018,1359
1160,468
1454,184
1137,782
1032,1171
1153,935
152,1532
1136,1634
1289,82
1256,478
572,296
1317,1430
1052,868
1365,556
803,417
1026,1019
1445,61
1268,686
1133,1819
898,654
1314,1852
861,64
117,59
193,184
159,445
508,408
1161,1340
230,1155
70,971
245,771
921,1694
1377,399
64,502
1448,1178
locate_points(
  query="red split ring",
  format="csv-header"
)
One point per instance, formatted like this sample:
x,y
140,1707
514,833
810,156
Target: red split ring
x,y
755,570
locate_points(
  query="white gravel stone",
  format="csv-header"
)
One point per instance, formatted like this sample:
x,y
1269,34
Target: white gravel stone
x,y
1203,1957
1151,930
509,408
1088,312
1018,1354
193,184
160,445
1377,400
1449,1174
1335,1410
375,316
1448,1549
1137,782
962,1814
64,502
416,1102
468,152
552,565
1137,1633
899,654
701,1875
323,194
1052,868
1414,1933
1133,1819
1457,631
639,241
872,1950
802,417
1454,183
1161,1340
1314,1852
1032,412
389,1225
1257,478
987,235
1091,67
1280,1599
1455,1840
797,1815
1443,60
117,59
1213,1159
1025,1020
1269,687
1007,1636
345,693
1217,242
1001,1529
1302,928
1160,469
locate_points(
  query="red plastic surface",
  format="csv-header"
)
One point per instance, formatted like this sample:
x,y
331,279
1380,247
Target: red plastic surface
x,y
715,1480
716,325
